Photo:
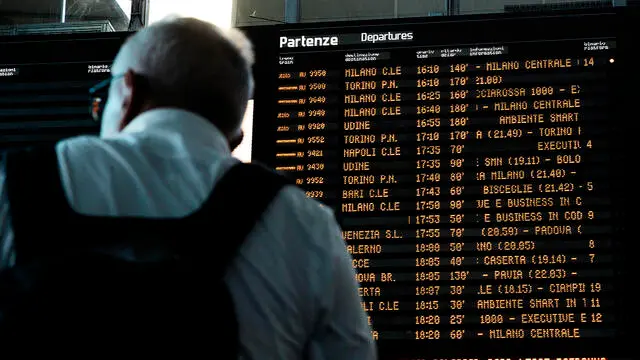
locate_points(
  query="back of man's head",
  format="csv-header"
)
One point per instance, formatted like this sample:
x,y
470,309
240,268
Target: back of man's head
x,y
192,65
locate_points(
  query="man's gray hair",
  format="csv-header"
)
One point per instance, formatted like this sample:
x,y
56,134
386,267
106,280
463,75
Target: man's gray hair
x,y
196,66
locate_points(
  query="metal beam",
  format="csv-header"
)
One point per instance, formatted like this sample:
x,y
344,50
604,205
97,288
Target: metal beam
x,y
292,11
63,17
234,13
452,7
139,14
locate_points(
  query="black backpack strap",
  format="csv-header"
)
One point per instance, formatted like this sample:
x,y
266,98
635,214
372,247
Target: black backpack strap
x,y
34,191
239,200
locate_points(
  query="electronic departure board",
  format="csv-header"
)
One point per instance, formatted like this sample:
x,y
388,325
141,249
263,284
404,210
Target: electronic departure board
x,y
44,84
477,168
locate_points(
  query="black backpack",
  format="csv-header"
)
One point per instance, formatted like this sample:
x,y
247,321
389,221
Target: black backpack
x,y
67,293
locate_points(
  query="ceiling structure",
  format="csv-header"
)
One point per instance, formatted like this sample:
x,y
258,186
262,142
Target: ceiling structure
x,y
20,12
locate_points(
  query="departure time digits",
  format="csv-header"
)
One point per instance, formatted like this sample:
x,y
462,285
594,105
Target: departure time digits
x,y
467,187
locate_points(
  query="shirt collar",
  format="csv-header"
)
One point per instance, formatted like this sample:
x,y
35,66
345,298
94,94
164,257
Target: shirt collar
x,y
193,127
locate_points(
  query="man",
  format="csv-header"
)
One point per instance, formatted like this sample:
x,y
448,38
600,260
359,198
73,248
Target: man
x,y
177,96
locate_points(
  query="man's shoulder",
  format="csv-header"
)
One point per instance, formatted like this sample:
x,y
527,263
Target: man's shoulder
x,y
295,198
80,140
85,144
291,206
95,154
305,220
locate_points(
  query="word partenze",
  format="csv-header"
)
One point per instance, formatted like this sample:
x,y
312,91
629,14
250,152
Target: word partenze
x,y
306,41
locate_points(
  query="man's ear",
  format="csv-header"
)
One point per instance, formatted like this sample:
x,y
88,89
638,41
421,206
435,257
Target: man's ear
x,y
132,99
236,140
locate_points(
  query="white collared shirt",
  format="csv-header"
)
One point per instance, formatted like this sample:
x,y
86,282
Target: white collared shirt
x,y
293,282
